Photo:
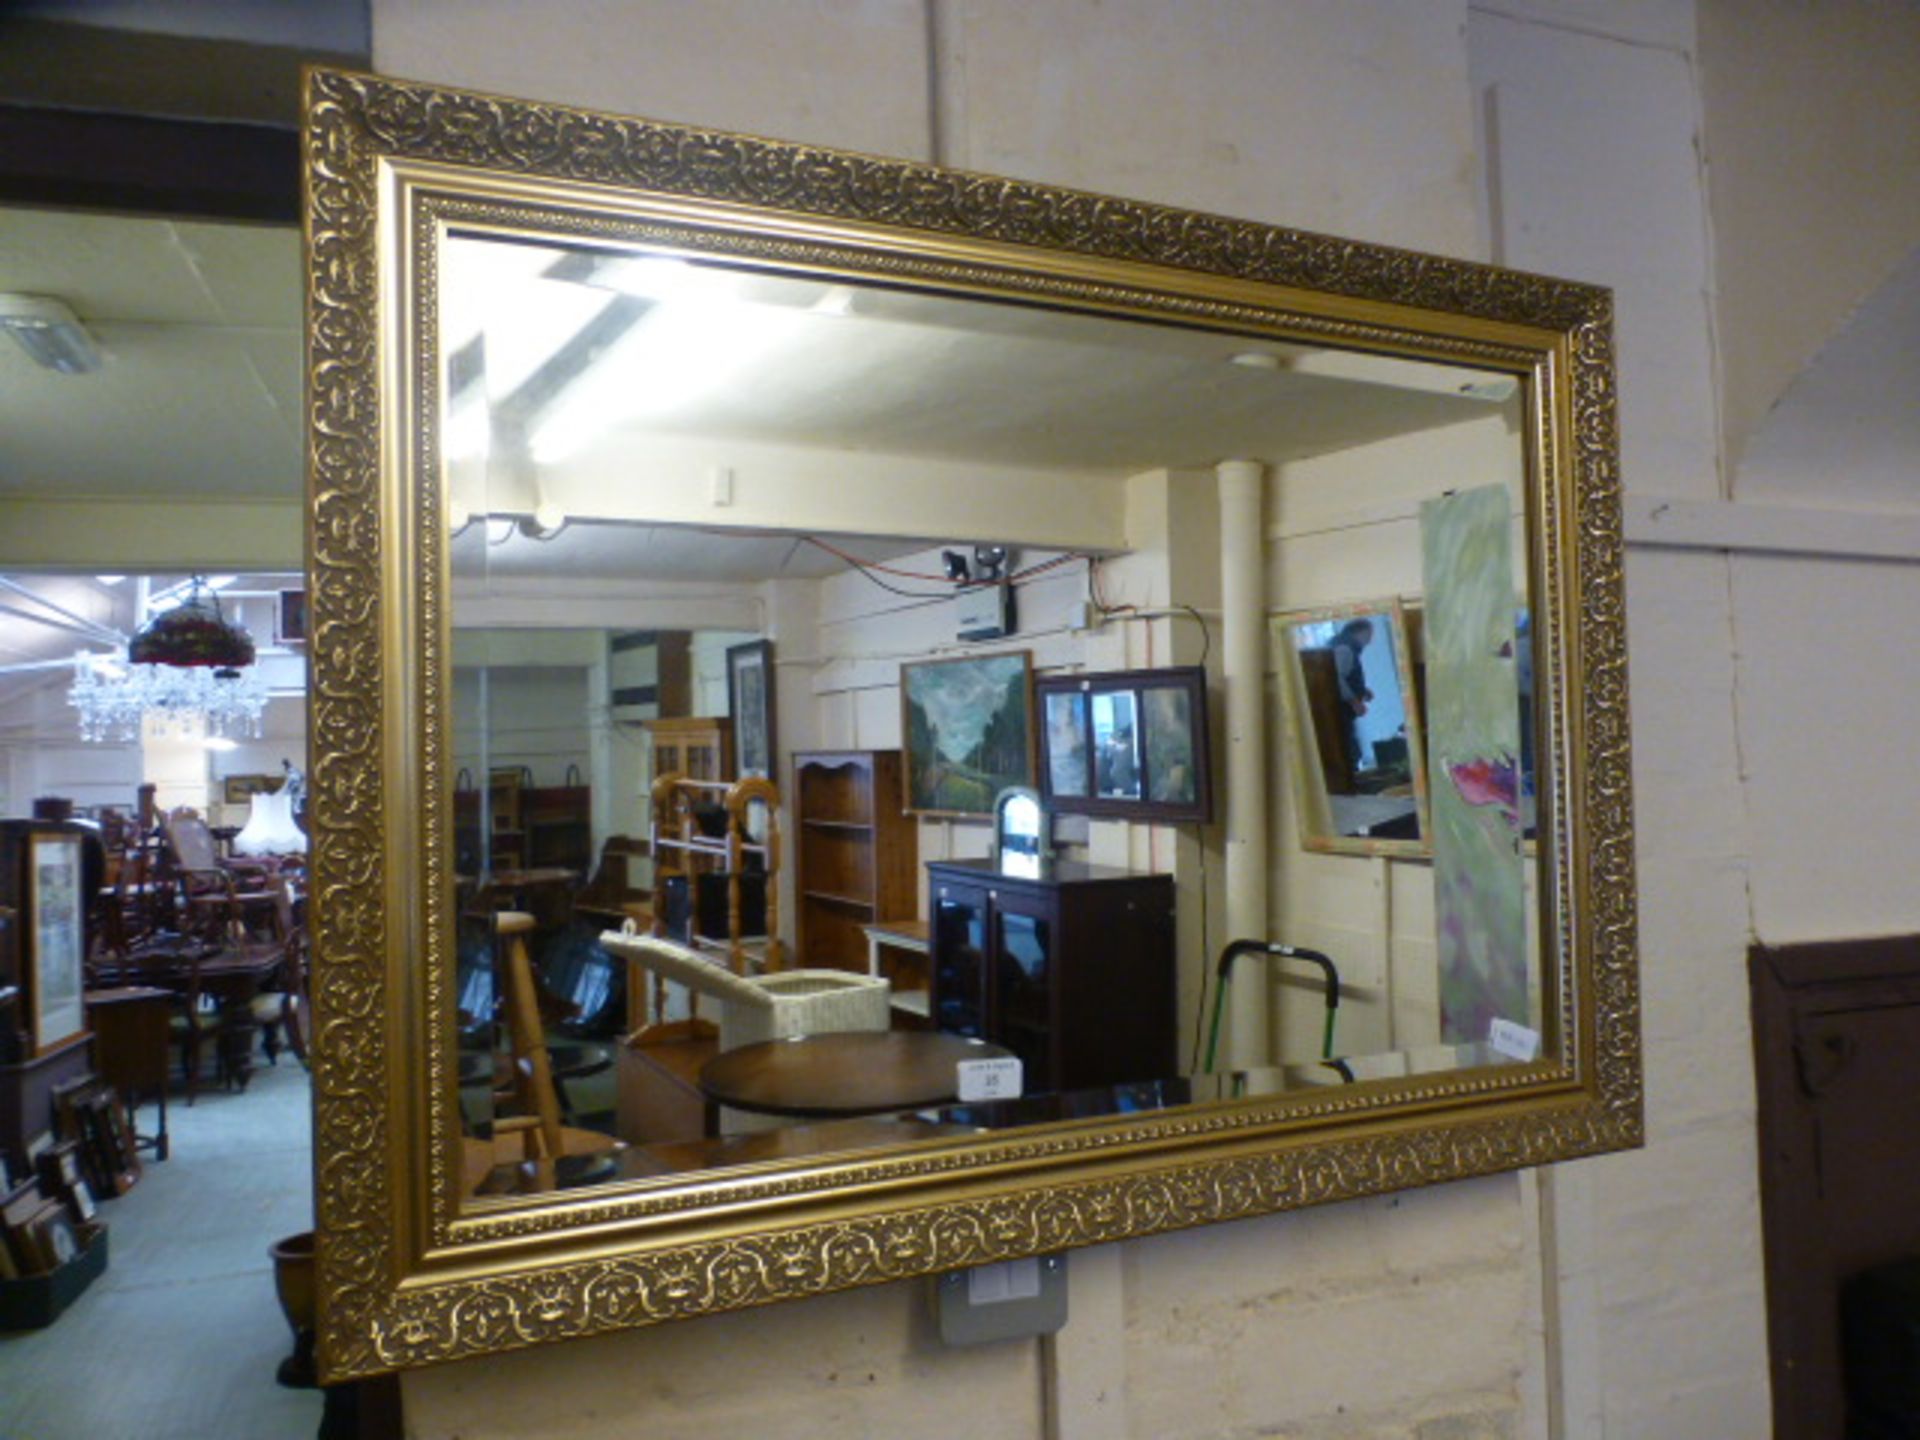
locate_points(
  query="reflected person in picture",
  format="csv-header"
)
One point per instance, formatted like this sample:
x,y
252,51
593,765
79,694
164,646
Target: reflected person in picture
x,y
1351,676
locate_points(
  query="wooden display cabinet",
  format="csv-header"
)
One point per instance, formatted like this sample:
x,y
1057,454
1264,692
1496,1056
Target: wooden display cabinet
x,y
1073,972
694,747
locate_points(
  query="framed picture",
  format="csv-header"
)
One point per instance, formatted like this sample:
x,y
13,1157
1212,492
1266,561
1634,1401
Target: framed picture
x,y
79,1198
17,1211
1063,716
966,726
750,701
239,789
1356,732
290,618
1129,744
51,1235
56,938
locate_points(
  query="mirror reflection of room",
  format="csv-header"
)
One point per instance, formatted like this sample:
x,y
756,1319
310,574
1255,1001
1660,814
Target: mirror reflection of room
x,y
1357,718
748,639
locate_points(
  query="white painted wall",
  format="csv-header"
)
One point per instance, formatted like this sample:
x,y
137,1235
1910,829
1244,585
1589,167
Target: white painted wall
x,y
1810,108
1655,1309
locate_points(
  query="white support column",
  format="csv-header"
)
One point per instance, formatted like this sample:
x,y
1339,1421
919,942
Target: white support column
x,y
1243,647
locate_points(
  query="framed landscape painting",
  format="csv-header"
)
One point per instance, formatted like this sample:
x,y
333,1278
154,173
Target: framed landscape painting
x,y
967,728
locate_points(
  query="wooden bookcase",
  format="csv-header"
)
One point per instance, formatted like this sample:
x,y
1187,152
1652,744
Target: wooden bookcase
x,y
857,856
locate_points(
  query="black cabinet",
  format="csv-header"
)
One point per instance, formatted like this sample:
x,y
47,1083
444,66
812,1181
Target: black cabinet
x,y
1074,973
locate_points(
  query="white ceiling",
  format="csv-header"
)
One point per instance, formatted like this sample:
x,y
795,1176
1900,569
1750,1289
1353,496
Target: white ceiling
x,y
201,329
201,391
770,359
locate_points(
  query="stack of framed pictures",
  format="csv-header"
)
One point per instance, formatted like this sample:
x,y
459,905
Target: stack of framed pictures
x,y
89,1116
38,1232
51,1246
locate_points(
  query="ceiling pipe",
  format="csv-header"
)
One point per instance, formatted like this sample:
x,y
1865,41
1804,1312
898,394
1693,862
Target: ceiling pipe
x,y
105,633
92,634
1243,659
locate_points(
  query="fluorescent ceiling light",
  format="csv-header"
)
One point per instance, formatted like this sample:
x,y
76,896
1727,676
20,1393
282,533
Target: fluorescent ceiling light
x,y
50,332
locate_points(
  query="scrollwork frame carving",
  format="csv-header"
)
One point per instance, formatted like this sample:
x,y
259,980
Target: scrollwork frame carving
x,y
408,1276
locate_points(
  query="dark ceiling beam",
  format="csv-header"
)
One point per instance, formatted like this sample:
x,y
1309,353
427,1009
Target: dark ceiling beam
x,y
572,360
148,165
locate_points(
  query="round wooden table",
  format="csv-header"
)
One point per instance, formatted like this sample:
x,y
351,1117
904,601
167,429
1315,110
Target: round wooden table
x,y
846,1073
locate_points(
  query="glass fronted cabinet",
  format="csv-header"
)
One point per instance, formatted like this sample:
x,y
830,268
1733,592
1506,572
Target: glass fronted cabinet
x,y
1073,971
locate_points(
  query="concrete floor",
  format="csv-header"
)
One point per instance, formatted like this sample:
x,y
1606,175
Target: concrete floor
x,y
178,1340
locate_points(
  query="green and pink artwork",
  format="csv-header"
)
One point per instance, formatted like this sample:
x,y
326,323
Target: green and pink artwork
x,y
1473,739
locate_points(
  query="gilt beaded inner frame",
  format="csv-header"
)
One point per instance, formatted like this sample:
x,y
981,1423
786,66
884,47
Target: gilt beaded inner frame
x,y
408,1275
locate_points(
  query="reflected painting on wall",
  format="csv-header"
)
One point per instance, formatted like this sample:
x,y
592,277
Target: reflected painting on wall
x,y
1128,744
967,725
750,703
1473,703
1167,714
1066,722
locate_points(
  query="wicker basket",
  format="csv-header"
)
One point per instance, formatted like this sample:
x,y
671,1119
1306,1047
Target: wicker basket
x,y
764,1007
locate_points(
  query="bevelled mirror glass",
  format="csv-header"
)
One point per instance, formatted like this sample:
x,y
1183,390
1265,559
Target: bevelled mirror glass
x,y
692,519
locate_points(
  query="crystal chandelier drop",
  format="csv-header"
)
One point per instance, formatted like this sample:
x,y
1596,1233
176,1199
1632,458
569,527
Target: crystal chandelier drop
x,y
188,670
115,698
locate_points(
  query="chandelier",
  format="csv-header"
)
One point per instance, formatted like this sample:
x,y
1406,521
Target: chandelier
x,y
187,672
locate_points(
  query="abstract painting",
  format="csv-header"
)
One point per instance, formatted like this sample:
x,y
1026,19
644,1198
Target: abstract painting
x,y
1473,737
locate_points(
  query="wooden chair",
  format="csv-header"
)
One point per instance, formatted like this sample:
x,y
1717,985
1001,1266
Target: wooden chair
x,y
215,895
553,1151
280,1009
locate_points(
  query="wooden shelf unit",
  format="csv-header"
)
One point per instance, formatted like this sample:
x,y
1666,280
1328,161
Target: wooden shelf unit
x,y
858,857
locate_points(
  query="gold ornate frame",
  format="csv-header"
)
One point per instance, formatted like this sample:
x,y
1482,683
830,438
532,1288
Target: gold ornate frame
x,y
410,1276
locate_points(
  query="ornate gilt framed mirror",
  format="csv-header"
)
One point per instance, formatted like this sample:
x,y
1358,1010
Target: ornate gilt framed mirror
x,y
579,380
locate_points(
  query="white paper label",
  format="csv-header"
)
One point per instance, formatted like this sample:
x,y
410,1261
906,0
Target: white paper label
x,y
990,1079
1514,1040
1009,1280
